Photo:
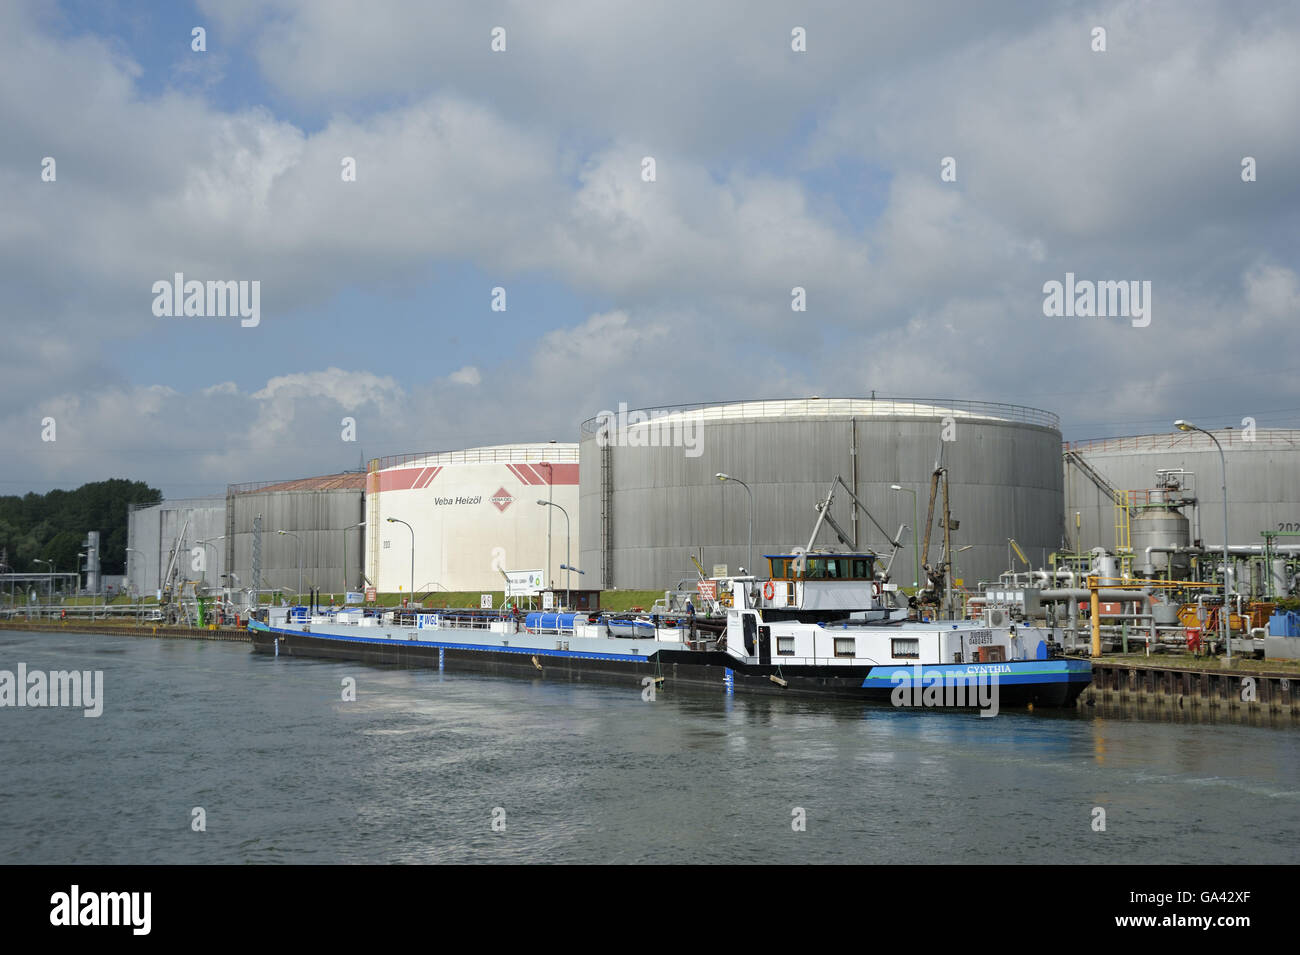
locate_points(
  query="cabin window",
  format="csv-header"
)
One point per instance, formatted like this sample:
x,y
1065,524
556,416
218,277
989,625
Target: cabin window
x,y
844,647
785,646
780,569
907,647
861,569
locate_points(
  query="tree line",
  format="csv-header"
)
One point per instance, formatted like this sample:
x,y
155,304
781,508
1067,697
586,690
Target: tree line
x,y
51,526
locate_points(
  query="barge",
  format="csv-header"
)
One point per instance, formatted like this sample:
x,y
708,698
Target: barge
x,y
819,625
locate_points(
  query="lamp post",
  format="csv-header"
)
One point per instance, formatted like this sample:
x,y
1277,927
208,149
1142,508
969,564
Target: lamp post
x,y
78,587
550,497
394,520
727,477
568,540
345,557
916,547
1226,620
49,589
299,540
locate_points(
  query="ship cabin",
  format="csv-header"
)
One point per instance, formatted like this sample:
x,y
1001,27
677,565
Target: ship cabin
x,y
821,566
816,582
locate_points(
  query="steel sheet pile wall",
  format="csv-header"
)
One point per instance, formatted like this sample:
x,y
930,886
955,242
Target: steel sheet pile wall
x,y
1263,482
318,517
646,509
152,534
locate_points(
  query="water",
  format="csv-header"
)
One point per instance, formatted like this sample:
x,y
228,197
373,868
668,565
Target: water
x,y
286,771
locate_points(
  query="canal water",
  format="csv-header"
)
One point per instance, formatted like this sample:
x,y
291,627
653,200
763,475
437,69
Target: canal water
x,y
429,767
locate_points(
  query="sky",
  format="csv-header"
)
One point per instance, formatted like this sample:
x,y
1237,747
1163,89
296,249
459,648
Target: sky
x,y
921,171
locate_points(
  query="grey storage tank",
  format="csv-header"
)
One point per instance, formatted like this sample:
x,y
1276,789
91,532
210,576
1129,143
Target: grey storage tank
x,y
649,497
1263,482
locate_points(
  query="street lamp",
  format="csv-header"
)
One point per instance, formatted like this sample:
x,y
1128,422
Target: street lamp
x,y
78,587
568,540
299,540
916,544
394,520
345,557
1226,622
550,496
727,477
50,583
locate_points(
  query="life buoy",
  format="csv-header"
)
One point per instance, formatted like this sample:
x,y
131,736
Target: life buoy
x,y
769,590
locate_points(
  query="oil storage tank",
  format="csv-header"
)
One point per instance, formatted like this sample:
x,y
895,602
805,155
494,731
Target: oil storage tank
x,y
454,521
307,539
155,532
650,498
1263,472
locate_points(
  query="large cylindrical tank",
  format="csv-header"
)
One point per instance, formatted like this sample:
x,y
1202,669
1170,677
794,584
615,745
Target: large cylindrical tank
x,y
1263,475
1157,527
651,499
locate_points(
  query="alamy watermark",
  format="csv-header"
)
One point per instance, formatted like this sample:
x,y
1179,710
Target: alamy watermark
x,y
80,689
948,687
644,429
1106,299
75,907
194,299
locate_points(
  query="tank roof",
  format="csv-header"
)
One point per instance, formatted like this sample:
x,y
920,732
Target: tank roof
x,y
345,481
1229,439
817,407
554,451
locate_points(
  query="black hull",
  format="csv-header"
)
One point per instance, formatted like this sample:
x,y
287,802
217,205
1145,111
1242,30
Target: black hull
x,y
680,668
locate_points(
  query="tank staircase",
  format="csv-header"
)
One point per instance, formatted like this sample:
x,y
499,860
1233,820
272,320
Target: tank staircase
x,y
1123,504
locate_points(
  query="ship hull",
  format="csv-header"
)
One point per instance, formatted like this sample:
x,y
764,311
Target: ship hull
x,y
1054,683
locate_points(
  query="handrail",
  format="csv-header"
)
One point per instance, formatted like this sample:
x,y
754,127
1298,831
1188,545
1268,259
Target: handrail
x,y
1178,440
882,406
524,453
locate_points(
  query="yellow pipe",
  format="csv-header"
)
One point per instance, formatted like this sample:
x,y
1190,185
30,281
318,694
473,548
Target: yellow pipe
x,y
1095,596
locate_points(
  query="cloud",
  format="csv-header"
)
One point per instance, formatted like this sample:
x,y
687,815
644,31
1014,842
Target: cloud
x,y
526,168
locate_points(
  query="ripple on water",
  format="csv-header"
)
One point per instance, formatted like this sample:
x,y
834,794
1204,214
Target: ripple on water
x,y
413,770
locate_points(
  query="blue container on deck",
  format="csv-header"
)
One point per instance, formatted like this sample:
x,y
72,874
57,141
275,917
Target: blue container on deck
x,y
1284,623
541,622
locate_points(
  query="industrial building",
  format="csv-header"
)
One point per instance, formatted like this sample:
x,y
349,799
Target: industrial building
x,y
155,531
454,520
650,497
1263,470
309,537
